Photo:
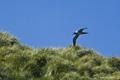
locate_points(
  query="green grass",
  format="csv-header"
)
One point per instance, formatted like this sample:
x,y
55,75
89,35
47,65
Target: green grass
x,y
20,62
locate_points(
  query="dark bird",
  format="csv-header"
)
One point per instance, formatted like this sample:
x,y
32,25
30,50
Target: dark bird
x,y
77,34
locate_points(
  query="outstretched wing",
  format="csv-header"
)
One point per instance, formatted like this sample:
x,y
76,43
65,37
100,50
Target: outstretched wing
x,y
74,39
82,29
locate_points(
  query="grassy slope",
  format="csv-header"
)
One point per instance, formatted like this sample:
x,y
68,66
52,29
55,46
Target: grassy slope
x,y
19,62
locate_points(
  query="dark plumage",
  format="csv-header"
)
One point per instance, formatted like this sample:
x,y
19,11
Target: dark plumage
x,y
77,35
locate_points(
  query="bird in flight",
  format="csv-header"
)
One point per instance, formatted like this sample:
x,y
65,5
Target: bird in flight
x,y
77,34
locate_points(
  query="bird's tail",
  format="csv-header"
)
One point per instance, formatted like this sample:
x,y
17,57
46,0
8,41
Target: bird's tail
x,y
84,32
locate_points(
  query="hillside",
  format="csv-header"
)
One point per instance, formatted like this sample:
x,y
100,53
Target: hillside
x,y
20,62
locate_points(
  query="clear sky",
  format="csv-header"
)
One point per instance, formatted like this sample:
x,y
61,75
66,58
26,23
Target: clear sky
x,y
51,23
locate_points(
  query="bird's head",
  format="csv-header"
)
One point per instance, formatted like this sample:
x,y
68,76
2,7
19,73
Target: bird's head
x,y
75,32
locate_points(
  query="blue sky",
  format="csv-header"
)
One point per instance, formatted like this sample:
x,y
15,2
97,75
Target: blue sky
x,y
50,23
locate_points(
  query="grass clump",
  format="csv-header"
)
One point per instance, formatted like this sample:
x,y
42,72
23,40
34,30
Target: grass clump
x,y
20,62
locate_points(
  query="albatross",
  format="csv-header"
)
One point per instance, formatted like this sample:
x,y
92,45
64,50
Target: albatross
x,y
77,33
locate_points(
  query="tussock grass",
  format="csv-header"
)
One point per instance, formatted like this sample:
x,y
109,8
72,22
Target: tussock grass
x,y
20,62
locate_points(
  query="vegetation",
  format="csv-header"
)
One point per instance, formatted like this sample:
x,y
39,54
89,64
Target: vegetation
x,y
19,62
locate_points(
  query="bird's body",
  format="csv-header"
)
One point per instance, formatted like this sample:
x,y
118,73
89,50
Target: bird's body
x,y
77,35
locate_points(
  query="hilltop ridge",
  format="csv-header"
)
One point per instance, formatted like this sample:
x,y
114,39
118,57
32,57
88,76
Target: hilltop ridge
x,y
20,62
